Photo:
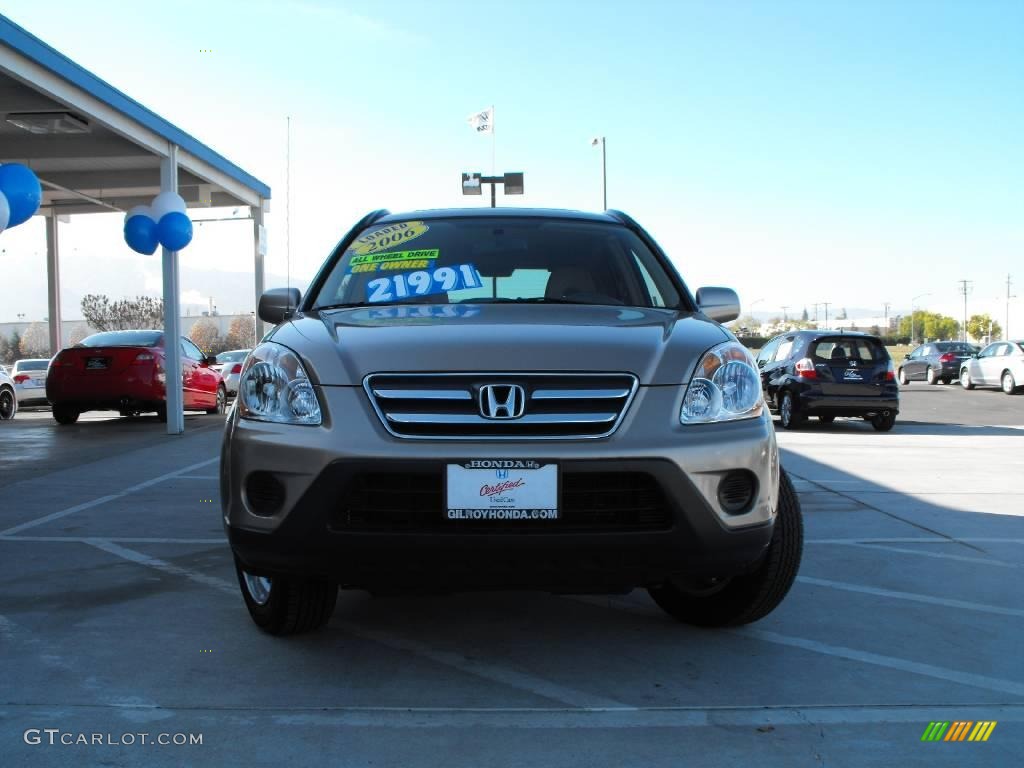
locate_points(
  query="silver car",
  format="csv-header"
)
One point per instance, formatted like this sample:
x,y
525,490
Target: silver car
x,y
30,381
1000,364
8,398
229,366
504,398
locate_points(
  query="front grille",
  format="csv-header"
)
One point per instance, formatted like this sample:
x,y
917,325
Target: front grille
x,y
414,501
449,406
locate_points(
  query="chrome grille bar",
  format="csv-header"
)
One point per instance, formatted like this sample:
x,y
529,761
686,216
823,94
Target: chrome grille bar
x,y
446,406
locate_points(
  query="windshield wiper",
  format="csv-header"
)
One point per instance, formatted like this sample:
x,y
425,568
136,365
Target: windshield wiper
x,y
355,304
539,300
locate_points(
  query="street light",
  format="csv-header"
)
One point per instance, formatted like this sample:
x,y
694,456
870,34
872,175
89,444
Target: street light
x,y
604,169
919,296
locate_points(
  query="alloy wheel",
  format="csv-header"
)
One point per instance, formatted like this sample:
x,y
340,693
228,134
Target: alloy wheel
x,y
259,587
1009,385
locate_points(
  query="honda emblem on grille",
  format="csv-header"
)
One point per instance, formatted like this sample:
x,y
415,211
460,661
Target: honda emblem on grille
x,y
502,401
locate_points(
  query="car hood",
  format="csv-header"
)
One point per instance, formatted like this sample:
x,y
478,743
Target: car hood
x,y
342,346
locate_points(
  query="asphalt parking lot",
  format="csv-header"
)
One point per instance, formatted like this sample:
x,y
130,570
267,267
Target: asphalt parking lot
x,y
119,614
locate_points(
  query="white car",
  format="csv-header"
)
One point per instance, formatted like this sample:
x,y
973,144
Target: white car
x,y
30,381
1000,364
8,399
229,365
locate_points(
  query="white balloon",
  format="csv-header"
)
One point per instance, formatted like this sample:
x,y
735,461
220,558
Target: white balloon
x,y
166,202
139,210
5,211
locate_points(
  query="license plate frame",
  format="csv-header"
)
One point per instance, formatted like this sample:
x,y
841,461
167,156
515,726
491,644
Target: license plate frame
x,y
97,363
524,490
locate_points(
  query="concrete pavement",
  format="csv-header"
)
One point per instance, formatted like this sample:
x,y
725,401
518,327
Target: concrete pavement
x,y
119,614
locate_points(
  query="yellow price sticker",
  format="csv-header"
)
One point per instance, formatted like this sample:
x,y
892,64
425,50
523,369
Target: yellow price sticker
x,y
388,236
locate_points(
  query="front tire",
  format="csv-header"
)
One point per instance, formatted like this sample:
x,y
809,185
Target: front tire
x,y
1008,383
903,378
751,596
65,414
931,376
788,414
286,605
222,398
8,405
965,379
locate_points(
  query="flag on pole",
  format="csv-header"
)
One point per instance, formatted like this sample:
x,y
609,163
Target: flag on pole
x,y
482,122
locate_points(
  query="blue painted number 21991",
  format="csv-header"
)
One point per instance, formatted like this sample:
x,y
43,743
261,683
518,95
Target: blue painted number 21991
x,y
422,282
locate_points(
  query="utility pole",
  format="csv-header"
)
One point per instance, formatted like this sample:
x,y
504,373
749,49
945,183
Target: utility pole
x,y
965,289
1006,328
826,304
784,308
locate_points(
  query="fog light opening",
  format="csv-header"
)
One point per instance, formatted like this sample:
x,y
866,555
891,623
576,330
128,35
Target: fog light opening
x,y
737,491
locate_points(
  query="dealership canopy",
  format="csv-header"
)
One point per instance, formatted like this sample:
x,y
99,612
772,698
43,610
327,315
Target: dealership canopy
x,y
97,150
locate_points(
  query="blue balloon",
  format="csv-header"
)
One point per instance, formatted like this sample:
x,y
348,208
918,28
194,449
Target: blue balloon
x,y
140,232
21,188
174,230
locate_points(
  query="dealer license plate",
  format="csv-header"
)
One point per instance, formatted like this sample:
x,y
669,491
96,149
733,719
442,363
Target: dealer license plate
x,y
502,489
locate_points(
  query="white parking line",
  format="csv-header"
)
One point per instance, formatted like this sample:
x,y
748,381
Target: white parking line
x,y
630,717
510,677
119,540
104,499
520,680
911,596
916,540
162,565
903,665
940,555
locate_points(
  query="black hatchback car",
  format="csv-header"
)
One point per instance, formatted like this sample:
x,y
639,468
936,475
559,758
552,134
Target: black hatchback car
x,y
829,374
935,361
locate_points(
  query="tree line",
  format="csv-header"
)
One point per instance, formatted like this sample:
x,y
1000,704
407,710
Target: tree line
x,y
141,312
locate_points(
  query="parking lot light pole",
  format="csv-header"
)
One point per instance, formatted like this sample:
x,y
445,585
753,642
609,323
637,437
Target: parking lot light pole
x,y
919,296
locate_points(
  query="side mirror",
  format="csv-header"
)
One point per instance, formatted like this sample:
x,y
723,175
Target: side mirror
x,y
720,304
211,360
906,356
278,304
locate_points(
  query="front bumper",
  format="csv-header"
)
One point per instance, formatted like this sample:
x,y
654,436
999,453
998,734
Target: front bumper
x,y
315,467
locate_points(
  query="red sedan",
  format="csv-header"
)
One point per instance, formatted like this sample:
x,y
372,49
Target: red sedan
x,y
124,371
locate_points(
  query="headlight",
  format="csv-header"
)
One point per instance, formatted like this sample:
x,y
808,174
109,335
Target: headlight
x,y
726,386
274,386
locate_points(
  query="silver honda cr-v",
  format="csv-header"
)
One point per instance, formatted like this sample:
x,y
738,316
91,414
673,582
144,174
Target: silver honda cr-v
x,y
504,399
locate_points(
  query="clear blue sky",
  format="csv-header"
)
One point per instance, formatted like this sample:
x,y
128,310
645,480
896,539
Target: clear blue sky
x,y
853,152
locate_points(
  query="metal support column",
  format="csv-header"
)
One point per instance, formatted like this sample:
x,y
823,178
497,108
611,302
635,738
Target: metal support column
x,y
172,309
259,255
53,281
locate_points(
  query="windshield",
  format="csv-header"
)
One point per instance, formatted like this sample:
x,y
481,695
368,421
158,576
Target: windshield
x,y
123,339
32,365
233,356
956,348
474,260
849,348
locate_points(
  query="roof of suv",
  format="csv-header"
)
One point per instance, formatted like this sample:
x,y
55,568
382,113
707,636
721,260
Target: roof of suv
x,y
828,332
613,217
